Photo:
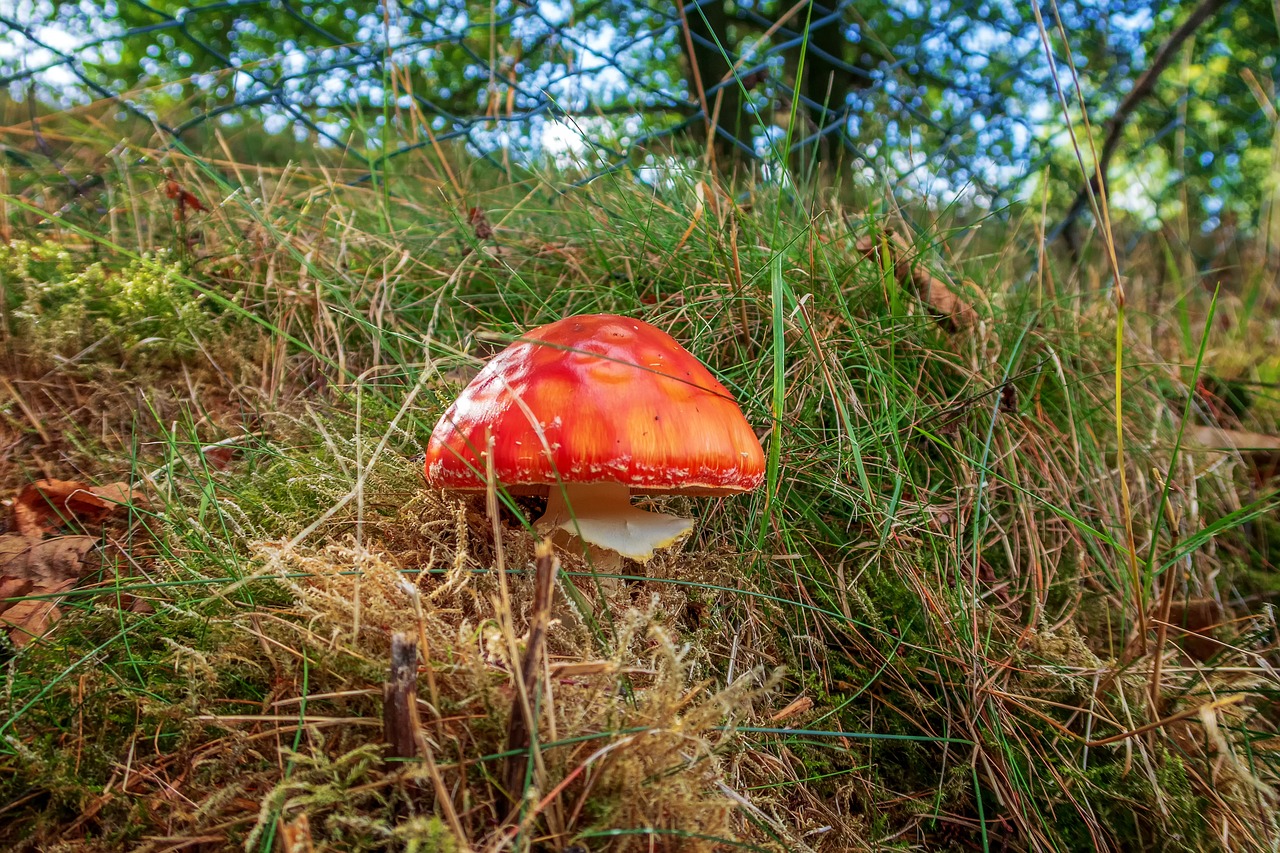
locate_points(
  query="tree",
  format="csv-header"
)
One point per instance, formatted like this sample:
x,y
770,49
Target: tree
x,y
952,99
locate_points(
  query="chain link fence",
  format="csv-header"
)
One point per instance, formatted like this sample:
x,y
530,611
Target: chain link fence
x,y
964,99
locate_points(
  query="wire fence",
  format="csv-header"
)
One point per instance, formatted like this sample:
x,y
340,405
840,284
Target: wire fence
x,y
948,100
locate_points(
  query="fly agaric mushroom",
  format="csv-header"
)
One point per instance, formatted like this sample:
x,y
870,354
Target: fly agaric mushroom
x,y
588,411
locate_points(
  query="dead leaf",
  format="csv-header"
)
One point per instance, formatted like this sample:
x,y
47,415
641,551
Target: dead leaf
x,y
477,220
936,294
32,566
1217,438
219,456
933,291
182,198
295,835
1191,625
45,505
1260,452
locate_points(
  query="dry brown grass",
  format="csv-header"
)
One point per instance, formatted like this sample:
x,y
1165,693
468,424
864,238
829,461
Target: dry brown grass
x,y
634,740
956,631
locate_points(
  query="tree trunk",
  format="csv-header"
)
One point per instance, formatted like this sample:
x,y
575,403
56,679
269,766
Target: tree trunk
x,y
829,79
709,56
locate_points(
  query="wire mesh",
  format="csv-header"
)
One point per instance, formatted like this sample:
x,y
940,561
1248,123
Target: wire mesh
x,y
947,99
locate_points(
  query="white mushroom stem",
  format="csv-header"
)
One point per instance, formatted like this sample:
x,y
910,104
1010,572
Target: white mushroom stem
x,y
601,514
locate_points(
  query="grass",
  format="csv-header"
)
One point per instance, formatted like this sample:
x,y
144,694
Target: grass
x,y
928,630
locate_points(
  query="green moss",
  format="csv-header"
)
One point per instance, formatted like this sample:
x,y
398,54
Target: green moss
x,y
60,303
70,743
1167,817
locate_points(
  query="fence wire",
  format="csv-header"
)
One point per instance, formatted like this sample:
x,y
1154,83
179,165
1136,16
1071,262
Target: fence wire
x,y
952,98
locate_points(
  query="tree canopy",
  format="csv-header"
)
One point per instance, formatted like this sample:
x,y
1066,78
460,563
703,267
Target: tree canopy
x,y
949,99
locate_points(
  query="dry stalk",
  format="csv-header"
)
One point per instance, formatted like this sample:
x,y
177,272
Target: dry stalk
x,y
522,723
401,725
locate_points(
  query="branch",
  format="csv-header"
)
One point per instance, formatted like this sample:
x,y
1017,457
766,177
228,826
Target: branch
x,y
400,723
1144,86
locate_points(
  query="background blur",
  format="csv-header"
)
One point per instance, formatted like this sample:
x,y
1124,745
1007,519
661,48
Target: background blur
x,y
955,101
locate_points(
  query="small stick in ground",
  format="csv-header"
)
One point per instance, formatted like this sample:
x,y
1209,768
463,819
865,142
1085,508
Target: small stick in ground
x,y
400,722
523,723
402,726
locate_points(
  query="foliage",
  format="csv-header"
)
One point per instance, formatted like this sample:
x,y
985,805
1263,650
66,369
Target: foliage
x,y
941,100
1216,131
62,303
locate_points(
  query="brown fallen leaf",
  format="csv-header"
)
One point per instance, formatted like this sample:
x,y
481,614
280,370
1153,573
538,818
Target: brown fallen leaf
x,y
219,456
1260,452
45,505
1217,438
951,308
933,291
32,566
477,220
1191,625
295,835
182,198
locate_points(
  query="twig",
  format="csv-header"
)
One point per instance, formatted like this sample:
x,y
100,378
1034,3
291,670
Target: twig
x,y
402,727
400,721
522,724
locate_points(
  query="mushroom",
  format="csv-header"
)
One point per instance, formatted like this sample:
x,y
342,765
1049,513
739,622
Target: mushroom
x,y
588,411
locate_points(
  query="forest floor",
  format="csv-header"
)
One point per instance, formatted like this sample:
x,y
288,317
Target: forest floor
x,y
1009,583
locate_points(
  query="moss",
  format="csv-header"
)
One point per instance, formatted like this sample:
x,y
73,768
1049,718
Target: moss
x,y
61,304
90,722
426,835
286,486
1167,817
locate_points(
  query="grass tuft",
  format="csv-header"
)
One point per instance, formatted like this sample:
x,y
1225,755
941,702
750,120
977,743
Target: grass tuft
x,y
926,630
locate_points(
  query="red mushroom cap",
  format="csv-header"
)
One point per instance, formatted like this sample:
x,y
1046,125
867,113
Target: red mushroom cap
x,y
597,398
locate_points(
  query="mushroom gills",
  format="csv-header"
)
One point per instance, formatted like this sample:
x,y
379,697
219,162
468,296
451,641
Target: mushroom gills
x,y
601,514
